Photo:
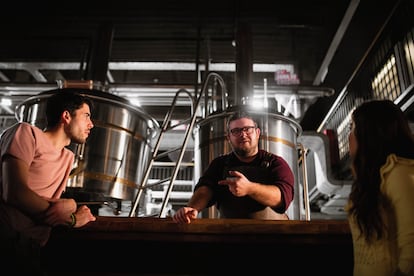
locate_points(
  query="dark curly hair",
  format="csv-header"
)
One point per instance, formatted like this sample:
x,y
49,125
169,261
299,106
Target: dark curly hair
x,y
64,101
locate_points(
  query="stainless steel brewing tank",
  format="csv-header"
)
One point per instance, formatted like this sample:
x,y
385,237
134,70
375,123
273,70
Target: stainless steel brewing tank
x,y
112,160
278,135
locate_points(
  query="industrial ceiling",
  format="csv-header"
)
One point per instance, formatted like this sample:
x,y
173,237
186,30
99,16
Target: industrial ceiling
x,y
147,50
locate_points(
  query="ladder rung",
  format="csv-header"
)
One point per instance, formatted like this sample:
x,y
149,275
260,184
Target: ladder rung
x,y
172,164
159,182
165,153
183,122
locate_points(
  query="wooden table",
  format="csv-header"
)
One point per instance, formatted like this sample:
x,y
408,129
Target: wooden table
x,y
155,246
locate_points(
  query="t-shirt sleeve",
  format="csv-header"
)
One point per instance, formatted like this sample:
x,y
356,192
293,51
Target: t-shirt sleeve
x,y
284,179
19,142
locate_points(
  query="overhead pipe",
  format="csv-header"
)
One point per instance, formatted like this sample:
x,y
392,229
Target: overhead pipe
x,y
100,52
244,64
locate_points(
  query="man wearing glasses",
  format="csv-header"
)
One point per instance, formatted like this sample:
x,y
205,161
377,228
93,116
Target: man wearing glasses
x,y
247,183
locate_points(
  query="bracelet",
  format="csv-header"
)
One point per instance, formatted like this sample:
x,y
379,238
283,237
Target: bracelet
x,y
73,218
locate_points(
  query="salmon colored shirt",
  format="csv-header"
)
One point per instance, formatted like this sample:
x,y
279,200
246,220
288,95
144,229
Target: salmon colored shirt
x,y
49,170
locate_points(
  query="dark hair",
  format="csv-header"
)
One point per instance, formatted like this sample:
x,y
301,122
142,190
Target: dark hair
x,y
381,129
62,101
239,115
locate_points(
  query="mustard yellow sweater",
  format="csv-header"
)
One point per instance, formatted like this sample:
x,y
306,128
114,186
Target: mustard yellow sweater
x,y
394,254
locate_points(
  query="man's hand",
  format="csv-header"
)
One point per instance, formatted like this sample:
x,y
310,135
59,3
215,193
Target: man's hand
x,y
83,216
59,211
238,184
185,215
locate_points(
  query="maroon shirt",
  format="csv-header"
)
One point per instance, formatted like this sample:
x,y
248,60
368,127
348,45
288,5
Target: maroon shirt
x,y
267,168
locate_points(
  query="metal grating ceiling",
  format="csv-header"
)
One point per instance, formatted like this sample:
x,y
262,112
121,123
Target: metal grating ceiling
x,y
159,44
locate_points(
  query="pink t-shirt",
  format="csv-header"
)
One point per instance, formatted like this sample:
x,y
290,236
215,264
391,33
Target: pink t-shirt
x,y
49,170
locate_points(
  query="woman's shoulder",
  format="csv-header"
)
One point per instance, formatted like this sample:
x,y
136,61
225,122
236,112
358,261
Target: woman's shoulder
x,y
396,163
397,184
397,170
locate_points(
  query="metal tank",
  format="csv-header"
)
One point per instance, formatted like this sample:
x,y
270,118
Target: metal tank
x,y
111,162
278,135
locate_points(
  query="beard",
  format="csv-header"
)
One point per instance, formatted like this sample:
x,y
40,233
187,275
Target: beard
x,y
77,139
244,149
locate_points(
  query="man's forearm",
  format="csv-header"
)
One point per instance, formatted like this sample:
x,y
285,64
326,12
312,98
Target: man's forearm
x,y
200,198
268,195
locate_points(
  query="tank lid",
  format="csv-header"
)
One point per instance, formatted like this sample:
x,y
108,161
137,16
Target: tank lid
x,y
95,95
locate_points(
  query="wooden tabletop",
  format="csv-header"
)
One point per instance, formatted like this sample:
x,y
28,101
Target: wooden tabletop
x,y
208,230
159,246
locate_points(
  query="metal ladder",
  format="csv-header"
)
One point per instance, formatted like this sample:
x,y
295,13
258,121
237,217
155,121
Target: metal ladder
x,y
166,126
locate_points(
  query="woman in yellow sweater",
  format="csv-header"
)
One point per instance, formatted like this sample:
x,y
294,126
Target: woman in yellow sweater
x,y
381,202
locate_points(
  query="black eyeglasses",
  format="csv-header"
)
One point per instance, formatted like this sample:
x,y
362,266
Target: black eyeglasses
x,y
237,131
